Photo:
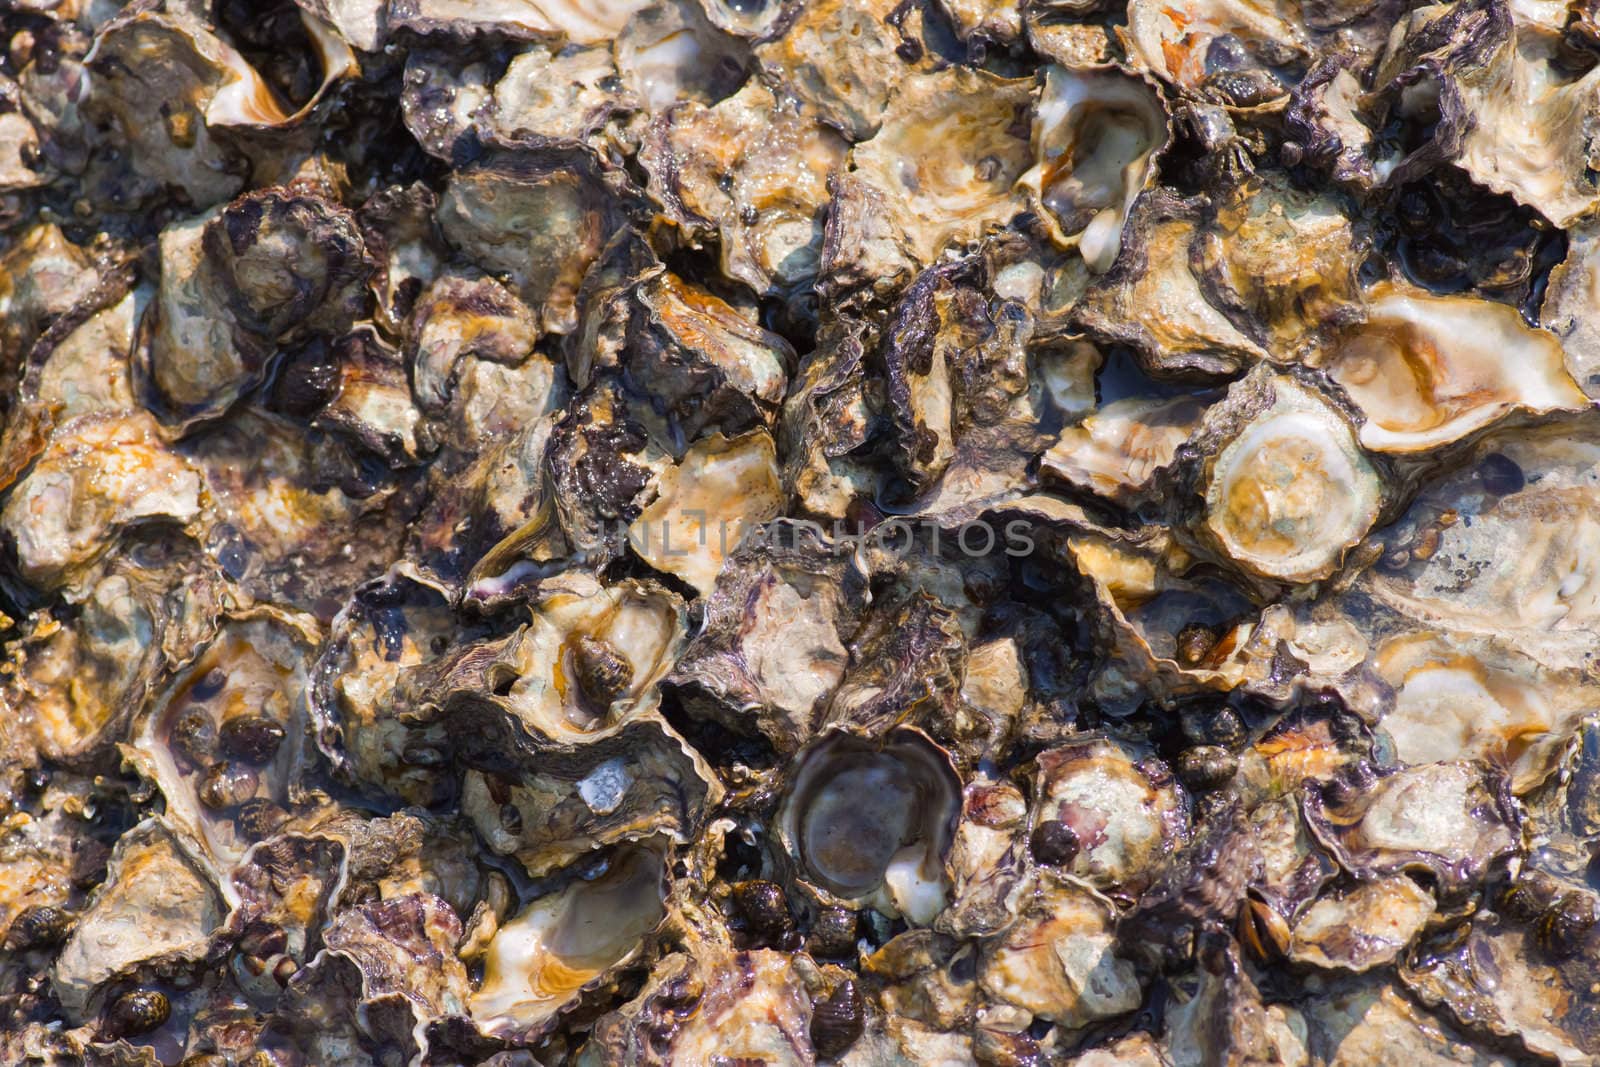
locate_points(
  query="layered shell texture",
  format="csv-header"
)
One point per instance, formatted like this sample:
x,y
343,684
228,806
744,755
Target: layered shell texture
x,y
1023,533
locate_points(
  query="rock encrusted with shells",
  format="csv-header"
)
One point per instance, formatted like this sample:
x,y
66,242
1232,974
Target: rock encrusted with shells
x,y
1004,532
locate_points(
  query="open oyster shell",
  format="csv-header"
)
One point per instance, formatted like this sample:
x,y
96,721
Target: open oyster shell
x,y
1096,135
864,821
541,959
640,781
1428,371
231,731
184,100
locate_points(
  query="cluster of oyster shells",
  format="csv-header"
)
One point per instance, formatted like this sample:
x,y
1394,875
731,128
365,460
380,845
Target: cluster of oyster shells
x,y
603,532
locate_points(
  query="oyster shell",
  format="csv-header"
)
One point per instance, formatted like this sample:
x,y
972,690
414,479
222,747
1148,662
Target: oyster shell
x,y
638,781
945,157
64,512
175,90
852,98
45,276
1377,1023
271,267
771,652
1284,264
590,659
373,406
543,957
1365,927
677,51
271,512
231,729
1570,284
1428,371
866,821
708,363
458,318
1448,819
1504,546
1096,135
719,495
1117,451
1058,962
195,362
751,1004
1527,999
409,977
77,683
1158,271
159,907
559,217
1525,107
389,628
1515,710
988,860
1240,51
559,96
753,172
1219,1014
1126,816
583,23
1289,492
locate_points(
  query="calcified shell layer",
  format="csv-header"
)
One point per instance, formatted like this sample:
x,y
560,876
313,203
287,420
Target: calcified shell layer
x,y
863,532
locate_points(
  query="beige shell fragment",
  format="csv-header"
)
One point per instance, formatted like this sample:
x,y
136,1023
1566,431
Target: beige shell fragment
x,y
1364,928
720,494
579,21
1523,567
1135,1050
851,93
1570,303
1460,696
1376,1023
1173,39
1117,451
1531,128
